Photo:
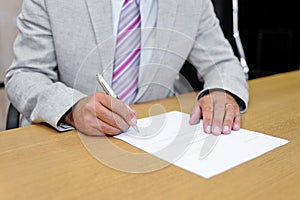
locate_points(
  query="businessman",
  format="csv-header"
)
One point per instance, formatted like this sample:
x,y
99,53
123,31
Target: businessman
x,y
139,46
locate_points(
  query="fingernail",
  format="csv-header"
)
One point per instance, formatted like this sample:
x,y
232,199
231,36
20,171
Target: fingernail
x,y
226,130
192,120
217,130
134,121
208,129
236,126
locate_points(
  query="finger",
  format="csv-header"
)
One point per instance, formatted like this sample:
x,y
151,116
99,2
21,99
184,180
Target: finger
x,y
237,121
228,119
111,118
207,113
107,129
95,127
133,111
218,116
134,118
90,131
117,106
93,132
195,114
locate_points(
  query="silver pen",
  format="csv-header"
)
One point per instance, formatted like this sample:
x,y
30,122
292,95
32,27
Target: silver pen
x,y
109,91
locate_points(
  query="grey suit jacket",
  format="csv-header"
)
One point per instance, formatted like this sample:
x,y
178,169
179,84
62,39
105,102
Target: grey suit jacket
x,y
63,44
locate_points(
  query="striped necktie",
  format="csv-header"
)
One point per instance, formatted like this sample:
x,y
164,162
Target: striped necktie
x,y
127,54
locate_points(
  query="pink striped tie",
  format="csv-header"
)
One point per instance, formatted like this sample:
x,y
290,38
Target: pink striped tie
x,y
127,54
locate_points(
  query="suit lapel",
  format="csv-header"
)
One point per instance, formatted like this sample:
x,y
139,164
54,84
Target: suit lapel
x,y
101,17
165,24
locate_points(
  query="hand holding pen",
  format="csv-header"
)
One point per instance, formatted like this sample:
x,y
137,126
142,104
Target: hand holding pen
x,y
100,114
109,91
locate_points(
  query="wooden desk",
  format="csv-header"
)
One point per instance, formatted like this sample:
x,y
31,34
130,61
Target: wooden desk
x,y
36,162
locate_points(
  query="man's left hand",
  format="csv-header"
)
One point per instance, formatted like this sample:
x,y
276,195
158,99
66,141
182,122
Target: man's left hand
x,y
220,113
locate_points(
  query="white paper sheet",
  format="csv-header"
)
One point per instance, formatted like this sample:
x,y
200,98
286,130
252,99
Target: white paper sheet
x,y
170,137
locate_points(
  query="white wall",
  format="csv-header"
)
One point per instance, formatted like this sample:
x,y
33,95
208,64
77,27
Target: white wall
x,y
9,10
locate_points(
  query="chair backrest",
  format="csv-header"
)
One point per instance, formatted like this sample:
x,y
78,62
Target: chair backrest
x,y
12,118
13,115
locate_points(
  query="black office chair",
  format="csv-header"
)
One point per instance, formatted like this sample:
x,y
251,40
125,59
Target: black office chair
x,y
1,85
12,118
13,115
227,13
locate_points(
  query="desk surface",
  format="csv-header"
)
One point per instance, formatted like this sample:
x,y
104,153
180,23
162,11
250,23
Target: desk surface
x,y
36,162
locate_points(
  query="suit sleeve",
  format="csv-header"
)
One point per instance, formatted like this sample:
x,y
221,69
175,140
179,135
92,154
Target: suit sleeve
x,y
214,59
32,81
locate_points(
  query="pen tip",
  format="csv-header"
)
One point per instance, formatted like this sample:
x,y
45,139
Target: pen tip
x,y
136,129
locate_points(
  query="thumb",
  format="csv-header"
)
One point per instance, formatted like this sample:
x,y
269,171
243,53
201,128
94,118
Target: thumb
x,y
195,114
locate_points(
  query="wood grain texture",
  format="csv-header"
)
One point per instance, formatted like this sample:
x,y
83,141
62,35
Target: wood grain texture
x,y
36,162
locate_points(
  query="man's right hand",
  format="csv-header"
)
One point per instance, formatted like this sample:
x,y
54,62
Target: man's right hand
x,y
100,114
